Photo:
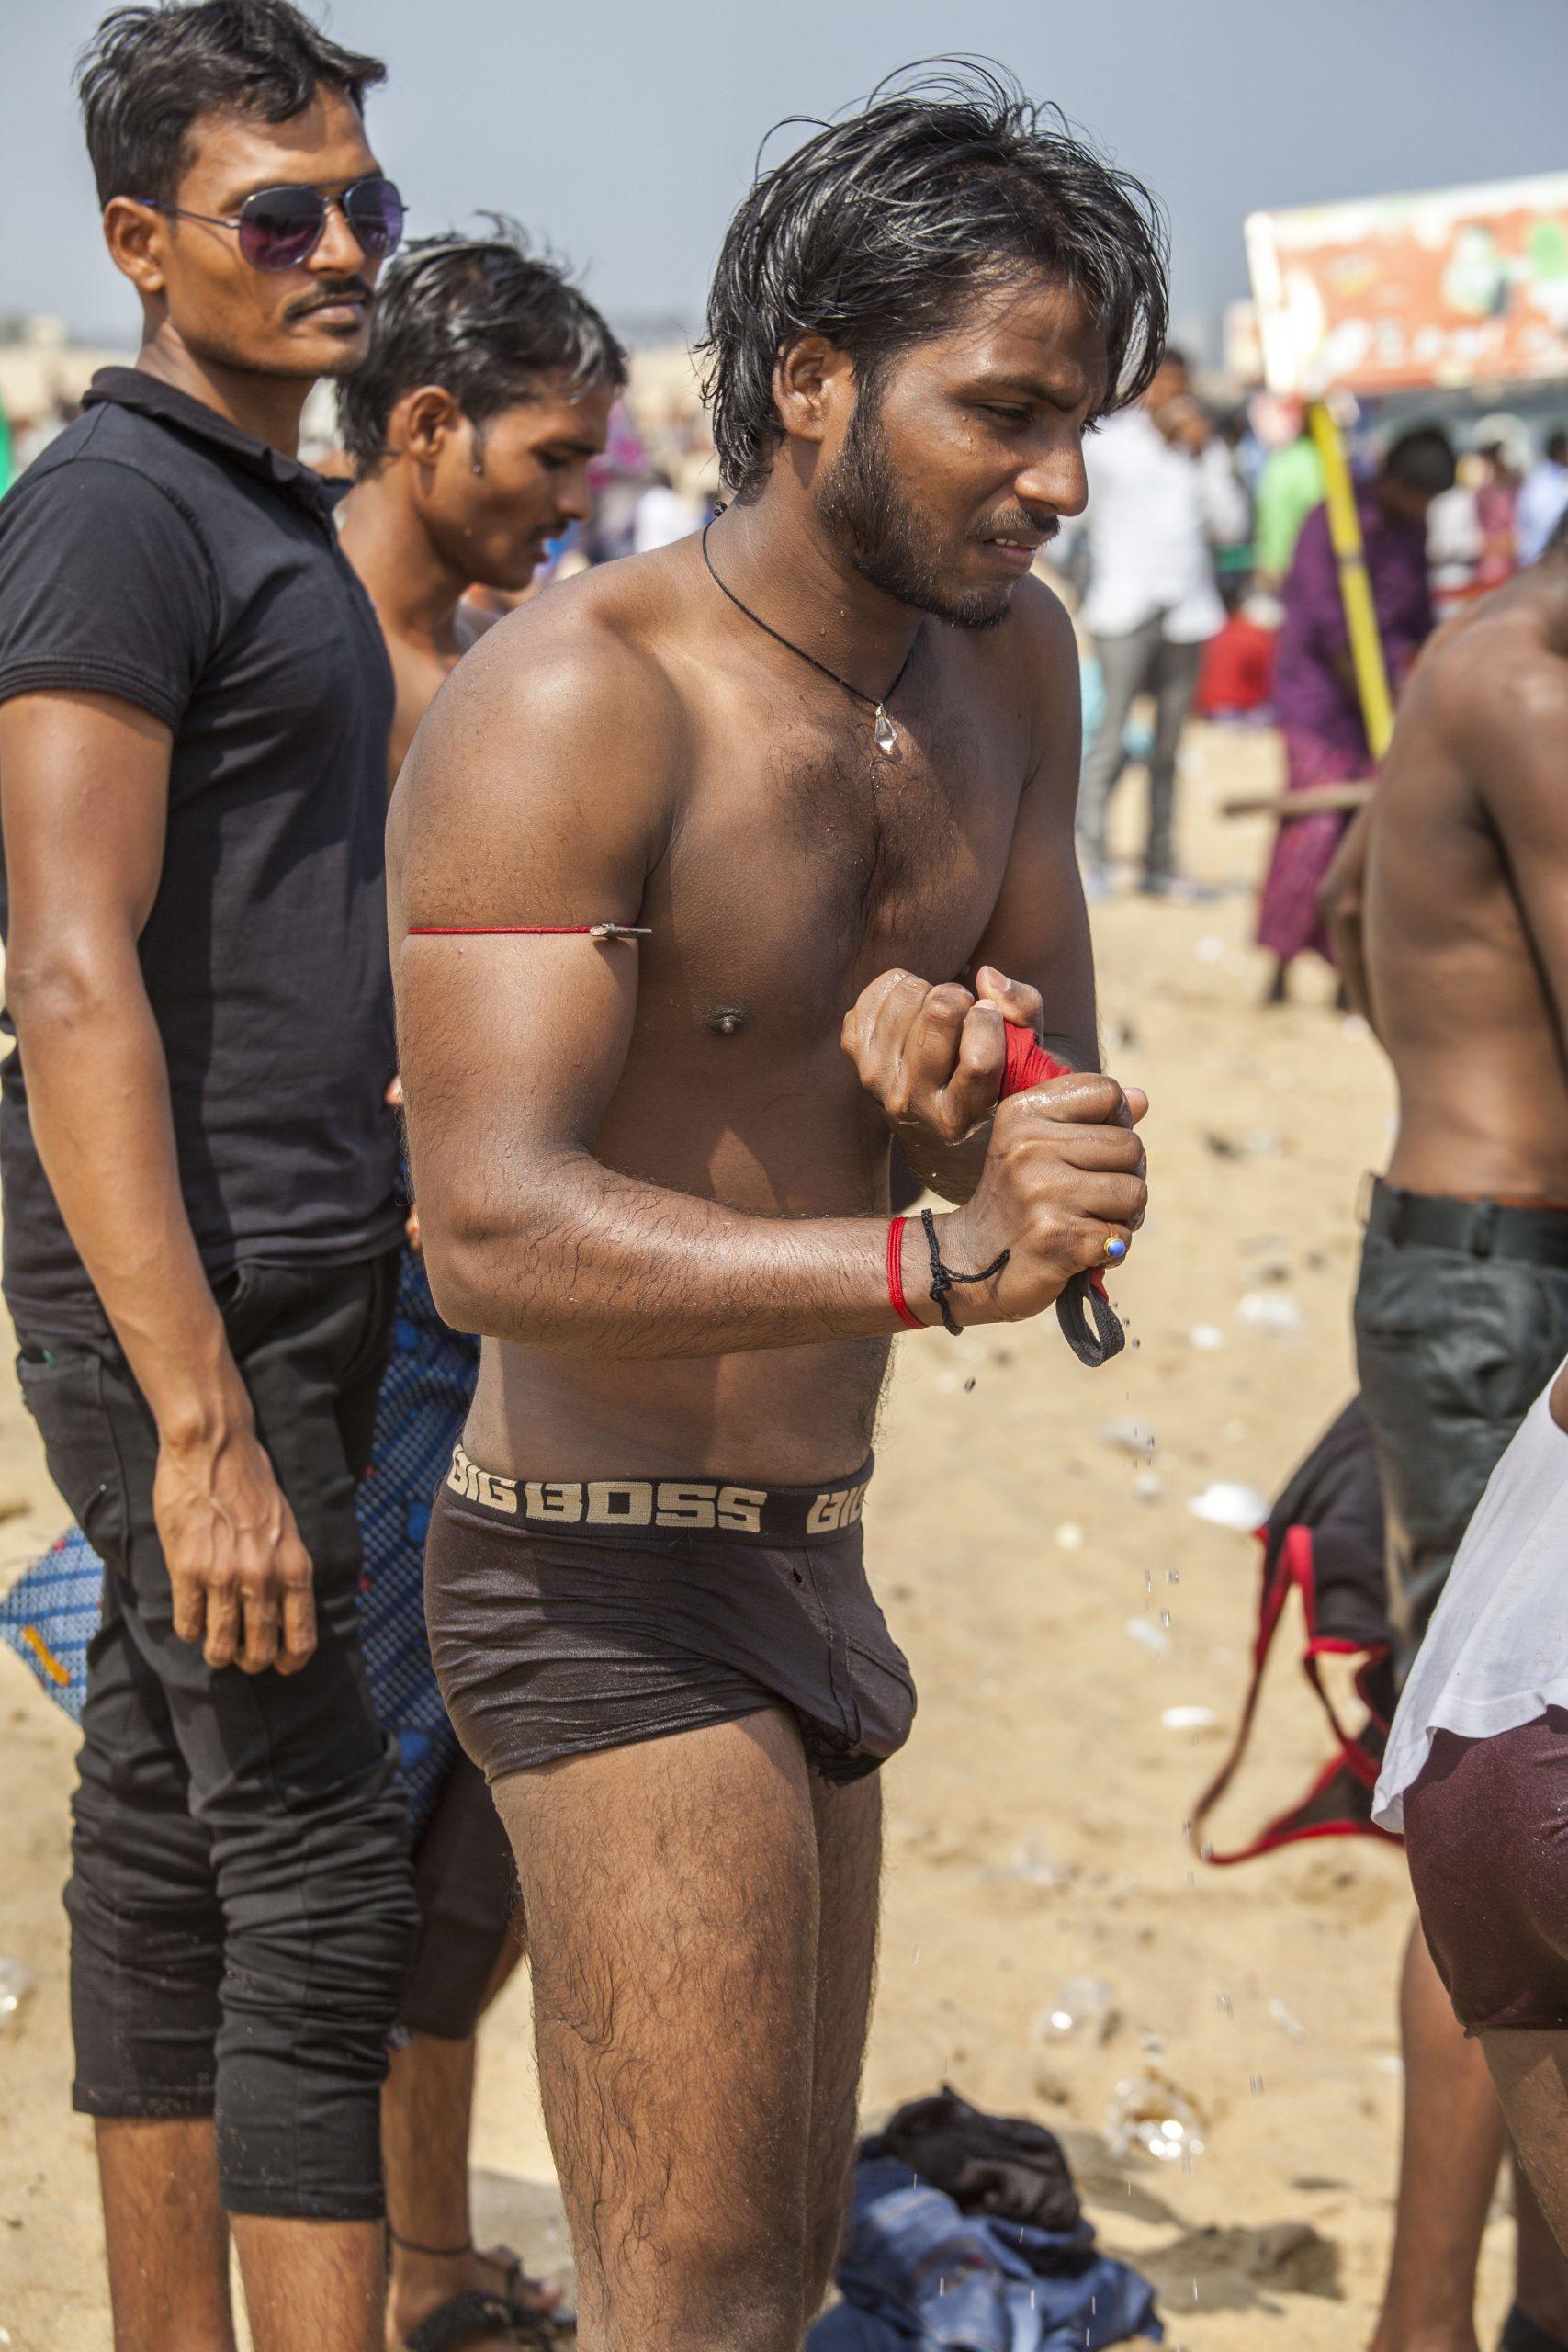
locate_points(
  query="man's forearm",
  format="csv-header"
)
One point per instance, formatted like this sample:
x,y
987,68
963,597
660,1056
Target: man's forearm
x,y
1347,937
594,1262
1341,903
98,1102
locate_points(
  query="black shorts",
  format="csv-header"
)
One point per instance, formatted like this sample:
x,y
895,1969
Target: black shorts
x,y
470,1909
1455,1340
242,1904
569,1617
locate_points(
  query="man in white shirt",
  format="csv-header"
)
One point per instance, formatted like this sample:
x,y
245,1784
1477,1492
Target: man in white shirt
x,y
1543,499
1162,491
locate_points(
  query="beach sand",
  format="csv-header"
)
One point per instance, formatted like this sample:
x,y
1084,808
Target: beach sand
x,y
1035,1822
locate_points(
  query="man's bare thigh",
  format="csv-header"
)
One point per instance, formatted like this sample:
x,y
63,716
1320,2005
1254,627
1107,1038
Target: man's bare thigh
x,y
848,1844
672,1894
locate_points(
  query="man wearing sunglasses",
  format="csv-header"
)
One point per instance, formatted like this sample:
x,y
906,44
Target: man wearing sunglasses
x,y
200,1177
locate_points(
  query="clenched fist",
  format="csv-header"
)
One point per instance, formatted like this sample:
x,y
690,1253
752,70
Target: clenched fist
x,y
1064,1172
933,1056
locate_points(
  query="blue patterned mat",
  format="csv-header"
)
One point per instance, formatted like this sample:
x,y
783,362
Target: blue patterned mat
x,y
50,1613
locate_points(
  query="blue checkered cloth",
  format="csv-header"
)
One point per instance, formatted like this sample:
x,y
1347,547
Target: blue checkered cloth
x,y
50,1613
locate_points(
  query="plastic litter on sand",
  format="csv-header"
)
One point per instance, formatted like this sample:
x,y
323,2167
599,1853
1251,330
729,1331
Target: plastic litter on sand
x,y
1228,1503
1128,1437
1148,2113
1271,1310
16,1984
1085,2008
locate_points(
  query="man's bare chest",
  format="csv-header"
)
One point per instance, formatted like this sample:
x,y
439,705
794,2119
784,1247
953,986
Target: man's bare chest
x,y
806,868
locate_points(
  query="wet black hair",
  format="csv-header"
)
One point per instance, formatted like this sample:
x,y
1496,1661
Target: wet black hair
x,y
1556,447
881,229
148,72
1422,460
485,318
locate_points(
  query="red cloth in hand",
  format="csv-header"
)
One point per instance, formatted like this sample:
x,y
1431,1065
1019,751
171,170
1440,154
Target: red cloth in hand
x,y
1027,1064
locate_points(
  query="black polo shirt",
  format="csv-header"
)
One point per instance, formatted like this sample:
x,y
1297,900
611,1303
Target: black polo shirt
x,y
157,553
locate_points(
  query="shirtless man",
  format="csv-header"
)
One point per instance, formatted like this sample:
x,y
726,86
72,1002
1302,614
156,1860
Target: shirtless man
x,y
483,400
650,1173
1456,942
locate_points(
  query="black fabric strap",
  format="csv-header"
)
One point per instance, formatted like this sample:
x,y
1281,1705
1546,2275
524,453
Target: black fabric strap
x,y
1107,1340
1074,1306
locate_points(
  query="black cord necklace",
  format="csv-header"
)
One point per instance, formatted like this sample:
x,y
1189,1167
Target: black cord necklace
x,y
884,733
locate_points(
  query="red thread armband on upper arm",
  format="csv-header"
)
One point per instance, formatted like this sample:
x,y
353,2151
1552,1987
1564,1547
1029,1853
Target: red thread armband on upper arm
x,y
528,931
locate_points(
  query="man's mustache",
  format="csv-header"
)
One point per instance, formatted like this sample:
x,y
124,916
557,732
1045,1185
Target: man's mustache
x,y
1020,526
345,289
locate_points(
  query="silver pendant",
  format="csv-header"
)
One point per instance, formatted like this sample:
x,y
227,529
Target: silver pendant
x,y
886,734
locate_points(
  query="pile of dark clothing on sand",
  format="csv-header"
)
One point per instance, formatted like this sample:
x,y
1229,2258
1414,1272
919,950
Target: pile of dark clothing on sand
x,y
967,2237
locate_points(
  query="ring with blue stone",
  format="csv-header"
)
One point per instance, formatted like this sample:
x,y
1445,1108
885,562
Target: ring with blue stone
x,y
1115,1248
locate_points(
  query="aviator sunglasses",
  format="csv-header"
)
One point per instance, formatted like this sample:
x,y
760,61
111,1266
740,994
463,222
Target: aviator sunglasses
x,y
280,227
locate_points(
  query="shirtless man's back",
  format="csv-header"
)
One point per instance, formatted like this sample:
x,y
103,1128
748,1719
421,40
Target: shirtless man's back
x,y
1466,931
1467,918
831,748
1461,1309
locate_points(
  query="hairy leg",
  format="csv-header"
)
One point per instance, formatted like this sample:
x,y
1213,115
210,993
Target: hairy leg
x,y
1540,2286
1452,2148
426,2116
849,1847
670,1890
1530,2071
166,2235
311,2286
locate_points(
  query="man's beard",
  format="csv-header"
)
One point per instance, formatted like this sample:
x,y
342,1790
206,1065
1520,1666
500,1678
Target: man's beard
x,y
868,517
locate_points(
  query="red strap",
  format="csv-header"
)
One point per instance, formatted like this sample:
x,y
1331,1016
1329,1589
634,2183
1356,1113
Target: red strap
x,y
499,930
896,1275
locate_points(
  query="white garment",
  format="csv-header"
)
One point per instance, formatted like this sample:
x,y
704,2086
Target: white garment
x,y
662,517
1543,501
1495,1654
1155,511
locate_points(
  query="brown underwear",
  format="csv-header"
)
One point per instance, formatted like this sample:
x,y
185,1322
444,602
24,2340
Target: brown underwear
x,y
565,1617
1486,1831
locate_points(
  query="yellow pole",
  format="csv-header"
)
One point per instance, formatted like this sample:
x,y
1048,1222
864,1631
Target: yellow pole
x,y
1360,613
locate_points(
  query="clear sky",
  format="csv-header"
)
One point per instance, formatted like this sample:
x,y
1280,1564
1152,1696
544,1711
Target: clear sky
x,y
624,132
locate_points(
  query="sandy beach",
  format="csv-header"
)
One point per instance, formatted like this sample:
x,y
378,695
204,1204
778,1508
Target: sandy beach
x,y
1056,1597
